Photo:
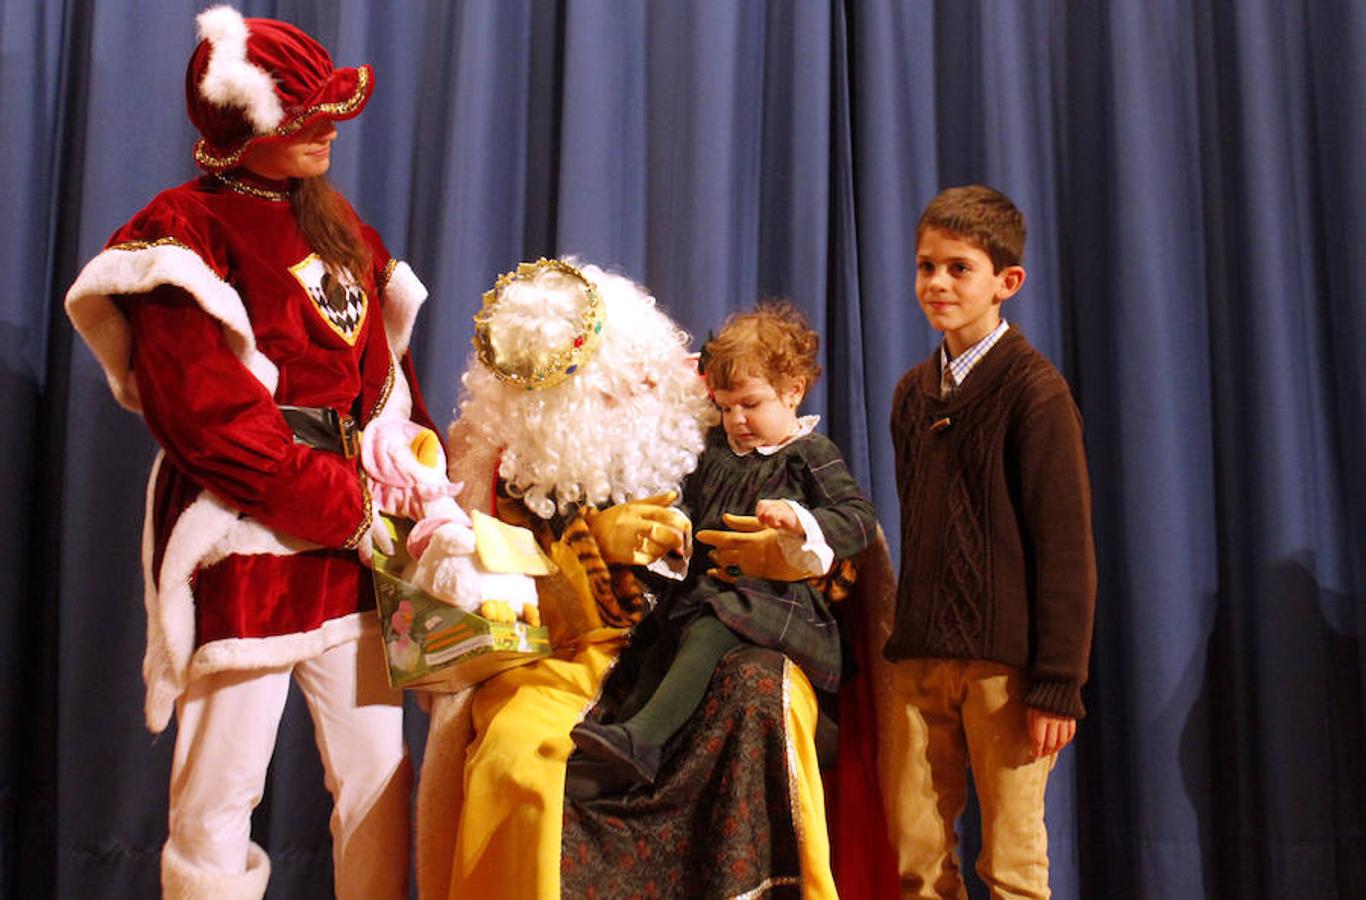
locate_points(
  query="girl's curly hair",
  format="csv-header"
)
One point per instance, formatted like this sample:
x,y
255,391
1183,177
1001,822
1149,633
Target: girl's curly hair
x,y
774,342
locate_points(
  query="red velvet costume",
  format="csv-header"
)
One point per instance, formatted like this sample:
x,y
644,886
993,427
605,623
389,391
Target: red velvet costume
x,y
207,310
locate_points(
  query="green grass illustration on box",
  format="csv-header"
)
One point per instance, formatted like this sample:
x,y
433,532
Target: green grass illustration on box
x,y
433,645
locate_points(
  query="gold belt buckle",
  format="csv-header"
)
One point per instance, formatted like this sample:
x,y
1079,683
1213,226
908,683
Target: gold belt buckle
x,y
350,436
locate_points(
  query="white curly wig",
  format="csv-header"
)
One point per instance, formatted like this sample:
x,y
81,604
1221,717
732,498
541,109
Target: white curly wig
x,y
630,422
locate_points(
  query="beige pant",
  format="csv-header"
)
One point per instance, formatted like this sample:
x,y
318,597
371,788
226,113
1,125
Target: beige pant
x,y
226,725
951,714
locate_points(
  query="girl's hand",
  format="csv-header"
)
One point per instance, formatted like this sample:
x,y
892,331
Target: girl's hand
x,y
778,514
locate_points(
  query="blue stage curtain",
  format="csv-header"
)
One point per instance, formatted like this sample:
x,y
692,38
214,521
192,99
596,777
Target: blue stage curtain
x,y
1191,174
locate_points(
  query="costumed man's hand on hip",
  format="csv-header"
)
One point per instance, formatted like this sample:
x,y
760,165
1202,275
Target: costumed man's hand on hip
x,y
641,531
751,548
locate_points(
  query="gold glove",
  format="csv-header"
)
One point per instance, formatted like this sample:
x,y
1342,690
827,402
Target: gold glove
x,y
640,531
751,548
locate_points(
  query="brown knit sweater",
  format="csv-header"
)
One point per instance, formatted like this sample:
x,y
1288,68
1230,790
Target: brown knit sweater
x,y
997,560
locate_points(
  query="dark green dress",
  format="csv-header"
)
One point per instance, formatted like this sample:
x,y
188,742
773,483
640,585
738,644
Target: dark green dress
x,y
792,617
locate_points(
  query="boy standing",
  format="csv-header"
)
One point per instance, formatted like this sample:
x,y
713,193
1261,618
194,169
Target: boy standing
x,y
997,589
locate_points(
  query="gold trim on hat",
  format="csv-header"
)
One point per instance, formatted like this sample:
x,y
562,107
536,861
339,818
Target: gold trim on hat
x,y
208,161
335,110
560,363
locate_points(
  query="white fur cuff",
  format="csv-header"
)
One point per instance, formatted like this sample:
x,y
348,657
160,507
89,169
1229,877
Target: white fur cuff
x,y
134,269
403,297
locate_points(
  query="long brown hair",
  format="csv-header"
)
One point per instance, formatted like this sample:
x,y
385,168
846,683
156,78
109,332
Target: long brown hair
x,y
330,227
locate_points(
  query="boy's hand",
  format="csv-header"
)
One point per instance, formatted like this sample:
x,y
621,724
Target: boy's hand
x,y
1048,733
778,514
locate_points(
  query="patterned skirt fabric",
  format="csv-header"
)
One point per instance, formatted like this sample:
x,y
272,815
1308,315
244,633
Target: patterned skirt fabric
x,y
715,824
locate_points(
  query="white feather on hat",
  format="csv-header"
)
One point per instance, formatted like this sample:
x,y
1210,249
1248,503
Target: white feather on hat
x,y
230,79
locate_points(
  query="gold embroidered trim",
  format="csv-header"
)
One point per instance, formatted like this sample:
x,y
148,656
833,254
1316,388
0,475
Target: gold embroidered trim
x,y
203,157
147,245
602,685
383,392
251,190
171,242
389,268
133,246
767,885
793,788
363,530
338,109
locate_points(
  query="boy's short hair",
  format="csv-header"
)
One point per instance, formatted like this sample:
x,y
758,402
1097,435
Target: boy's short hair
x,y
981,215
774,342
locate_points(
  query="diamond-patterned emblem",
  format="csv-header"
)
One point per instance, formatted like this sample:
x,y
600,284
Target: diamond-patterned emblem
x,y
340,302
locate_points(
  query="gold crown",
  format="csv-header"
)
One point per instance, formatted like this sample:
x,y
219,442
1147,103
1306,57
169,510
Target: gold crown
x,y
556,366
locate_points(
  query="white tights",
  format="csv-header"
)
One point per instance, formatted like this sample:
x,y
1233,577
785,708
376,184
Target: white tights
x,y
226,728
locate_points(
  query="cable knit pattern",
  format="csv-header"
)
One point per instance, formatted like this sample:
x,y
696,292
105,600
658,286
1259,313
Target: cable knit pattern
x,y
997,557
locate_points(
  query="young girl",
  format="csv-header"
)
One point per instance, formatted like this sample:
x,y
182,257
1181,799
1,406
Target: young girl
x,y
256,322
766,461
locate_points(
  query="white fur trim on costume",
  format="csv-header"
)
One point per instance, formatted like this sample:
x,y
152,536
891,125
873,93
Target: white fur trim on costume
x,y
163,686
91,308
247,536
230,79
182,880
207,531
233,654
403,297
170,610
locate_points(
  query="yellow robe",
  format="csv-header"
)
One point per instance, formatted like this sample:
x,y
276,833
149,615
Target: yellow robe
x,y
508,842
503,797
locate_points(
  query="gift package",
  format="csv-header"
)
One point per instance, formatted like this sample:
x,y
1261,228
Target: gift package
x,y
432,644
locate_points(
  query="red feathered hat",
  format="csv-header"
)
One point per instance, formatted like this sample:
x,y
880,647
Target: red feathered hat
x,y
253,80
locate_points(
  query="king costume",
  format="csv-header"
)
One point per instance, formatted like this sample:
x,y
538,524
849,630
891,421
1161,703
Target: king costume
x,y
493,817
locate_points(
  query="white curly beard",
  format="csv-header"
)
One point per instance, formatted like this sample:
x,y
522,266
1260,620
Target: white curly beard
x,y
628,424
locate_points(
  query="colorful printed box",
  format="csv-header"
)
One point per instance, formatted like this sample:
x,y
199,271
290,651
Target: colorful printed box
x,y
432,645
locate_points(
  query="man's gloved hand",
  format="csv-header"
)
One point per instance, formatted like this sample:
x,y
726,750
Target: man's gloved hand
x,y
639,532
751,548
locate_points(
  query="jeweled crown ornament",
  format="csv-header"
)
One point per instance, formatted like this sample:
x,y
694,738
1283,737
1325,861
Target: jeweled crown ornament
x,y
555,365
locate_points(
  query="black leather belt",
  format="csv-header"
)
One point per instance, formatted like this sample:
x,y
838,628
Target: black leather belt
x,y
323,428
